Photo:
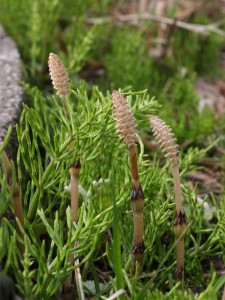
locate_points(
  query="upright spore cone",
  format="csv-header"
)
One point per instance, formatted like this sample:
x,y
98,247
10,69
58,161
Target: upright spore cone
x,y
126,126
59,76
165,138
124,119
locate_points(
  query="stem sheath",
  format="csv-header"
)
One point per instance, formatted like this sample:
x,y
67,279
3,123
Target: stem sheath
x,y
137,203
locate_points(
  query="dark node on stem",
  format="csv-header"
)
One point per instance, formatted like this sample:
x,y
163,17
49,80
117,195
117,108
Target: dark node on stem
x,y
136,194
180,219
77,164
138,248
180,274
68,291
16,191
9,179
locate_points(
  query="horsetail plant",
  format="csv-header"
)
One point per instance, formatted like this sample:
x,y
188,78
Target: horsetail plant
x,y
165,139
126,126
60,81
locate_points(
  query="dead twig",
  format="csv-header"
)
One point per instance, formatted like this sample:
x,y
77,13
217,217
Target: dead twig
x,y
134,18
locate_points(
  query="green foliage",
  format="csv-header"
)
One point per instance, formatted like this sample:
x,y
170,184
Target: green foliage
x,y
207,59
126,63
181,103
4,242
44,136
47,27
105,224
41,27
196,52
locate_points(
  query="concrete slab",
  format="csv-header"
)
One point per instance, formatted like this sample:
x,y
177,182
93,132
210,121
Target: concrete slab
x,y
11,93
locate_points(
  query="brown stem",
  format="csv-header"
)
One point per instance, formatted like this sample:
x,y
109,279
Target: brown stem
x,y
223,296
134,166
180,224
137,203
8,167
177,188
180,228
138,220
180,259
74,181
60,80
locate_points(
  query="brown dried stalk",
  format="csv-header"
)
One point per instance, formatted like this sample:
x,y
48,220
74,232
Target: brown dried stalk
x,y
60,81
165,139
16,201
126,126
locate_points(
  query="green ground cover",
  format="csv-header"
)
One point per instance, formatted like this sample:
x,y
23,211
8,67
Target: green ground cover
x,y
101,58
